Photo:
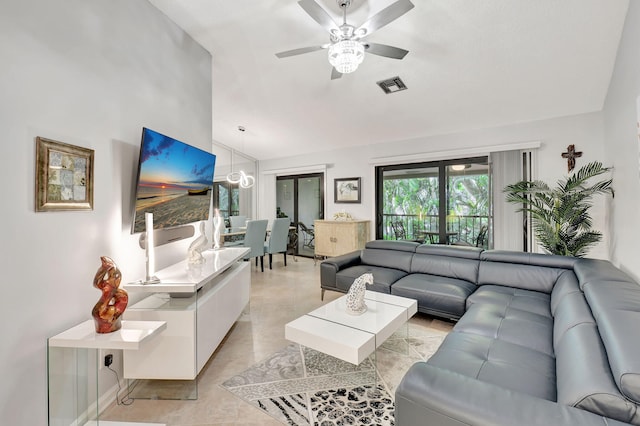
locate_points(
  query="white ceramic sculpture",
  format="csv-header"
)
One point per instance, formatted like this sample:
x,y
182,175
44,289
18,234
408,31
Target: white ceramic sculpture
x,y
217,227
194,253
355,296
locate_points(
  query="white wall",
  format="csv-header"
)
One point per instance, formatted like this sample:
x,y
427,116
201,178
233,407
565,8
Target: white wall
x,y
585,131
621,141
89,73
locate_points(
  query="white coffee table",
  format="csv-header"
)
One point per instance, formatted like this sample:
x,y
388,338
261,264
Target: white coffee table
x,y
352,338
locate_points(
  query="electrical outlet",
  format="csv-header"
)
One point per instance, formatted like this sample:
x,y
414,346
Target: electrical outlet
x,y
108,360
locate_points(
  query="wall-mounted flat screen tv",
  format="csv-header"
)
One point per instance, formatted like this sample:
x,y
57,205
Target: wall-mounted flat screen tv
x,y
174,182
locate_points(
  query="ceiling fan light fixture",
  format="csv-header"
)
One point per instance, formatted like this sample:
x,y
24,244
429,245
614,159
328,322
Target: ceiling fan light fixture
x,y
460,167
346,55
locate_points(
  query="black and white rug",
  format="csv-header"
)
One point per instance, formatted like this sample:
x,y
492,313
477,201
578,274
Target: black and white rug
x,y
300,386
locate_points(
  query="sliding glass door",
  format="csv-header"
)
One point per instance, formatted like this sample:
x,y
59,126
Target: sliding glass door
x,y
440,202
301,198
469,203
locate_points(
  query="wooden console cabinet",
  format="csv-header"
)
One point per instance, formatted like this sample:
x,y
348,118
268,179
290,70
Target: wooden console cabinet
x,y
336,237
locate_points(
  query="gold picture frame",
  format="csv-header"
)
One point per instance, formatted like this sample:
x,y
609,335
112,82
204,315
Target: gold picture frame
x,y
64,176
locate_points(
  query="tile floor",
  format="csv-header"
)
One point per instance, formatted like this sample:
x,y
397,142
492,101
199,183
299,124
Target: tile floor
x,y
277,297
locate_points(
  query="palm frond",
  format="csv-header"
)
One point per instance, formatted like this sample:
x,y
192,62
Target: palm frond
x,y
561,220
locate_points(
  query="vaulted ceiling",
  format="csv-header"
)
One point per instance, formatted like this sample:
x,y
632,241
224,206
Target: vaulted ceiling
x,y
471,64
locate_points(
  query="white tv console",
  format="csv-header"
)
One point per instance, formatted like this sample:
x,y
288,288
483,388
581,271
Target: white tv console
x,y
199,303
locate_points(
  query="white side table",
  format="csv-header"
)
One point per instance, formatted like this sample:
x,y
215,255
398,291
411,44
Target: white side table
x,y
73,363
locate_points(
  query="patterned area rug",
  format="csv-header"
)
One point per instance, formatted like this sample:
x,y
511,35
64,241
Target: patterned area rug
x,y
301,386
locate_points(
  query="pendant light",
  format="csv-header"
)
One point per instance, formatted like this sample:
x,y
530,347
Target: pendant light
x,y
240,177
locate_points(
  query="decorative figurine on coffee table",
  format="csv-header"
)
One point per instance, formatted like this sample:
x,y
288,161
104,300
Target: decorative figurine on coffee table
x,y
107,312
194,253
355,296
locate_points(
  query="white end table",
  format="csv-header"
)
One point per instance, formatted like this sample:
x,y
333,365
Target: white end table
x,y
73,362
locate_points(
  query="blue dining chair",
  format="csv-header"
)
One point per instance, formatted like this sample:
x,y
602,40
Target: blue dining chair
x,y
278,238
236,222
254,239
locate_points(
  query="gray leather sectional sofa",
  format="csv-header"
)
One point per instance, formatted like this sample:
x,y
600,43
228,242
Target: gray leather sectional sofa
x,y
540,340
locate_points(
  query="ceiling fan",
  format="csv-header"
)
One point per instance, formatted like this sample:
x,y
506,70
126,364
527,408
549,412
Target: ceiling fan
x,y
346,47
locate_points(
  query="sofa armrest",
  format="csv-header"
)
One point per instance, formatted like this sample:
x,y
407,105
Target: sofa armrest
x,y
438,397
330,267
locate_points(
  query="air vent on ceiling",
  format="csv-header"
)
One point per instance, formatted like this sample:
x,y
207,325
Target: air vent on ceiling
x,y
392,85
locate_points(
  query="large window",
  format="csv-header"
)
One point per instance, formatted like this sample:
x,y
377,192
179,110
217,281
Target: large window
x,y
226,198
443,202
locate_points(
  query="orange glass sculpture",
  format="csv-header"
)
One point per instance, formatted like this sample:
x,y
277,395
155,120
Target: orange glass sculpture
x,y
107,312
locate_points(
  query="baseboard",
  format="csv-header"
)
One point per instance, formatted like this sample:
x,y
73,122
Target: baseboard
x,y
108,423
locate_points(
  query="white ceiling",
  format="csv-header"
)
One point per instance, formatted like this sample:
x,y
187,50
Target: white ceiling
x,y
471,64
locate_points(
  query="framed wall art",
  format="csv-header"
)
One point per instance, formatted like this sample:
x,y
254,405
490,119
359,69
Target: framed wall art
x,y
346,190
64,176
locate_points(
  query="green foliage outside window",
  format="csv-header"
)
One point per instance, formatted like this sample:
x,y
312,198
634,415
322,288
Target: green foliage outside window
x,y
416,202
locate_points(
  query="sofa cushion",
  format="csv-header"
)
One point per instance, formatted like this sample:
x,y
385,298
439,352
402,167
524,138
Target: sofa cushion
x,y
382,277
572,311
534,259
566,284
597,270
498,362
522,270
505,323
435,294
584,378
429,395
409,246
453,263
331,266
527,277
396,259
525,300
462,252
616,308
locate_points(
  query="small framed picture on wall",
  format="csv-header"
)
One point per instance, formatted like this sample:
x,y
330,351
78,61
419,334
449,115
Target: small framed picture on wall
x,y
346,190
64,176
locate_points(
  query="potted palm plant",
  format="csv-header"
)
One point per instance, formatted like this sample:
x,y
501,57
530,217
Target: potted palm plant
x,y
560,216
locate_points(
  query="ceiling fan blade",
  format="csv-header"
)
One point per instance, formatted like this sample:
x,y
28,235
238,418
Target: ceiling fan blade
x,y
319,15
335,74
386,51
385,16
300,51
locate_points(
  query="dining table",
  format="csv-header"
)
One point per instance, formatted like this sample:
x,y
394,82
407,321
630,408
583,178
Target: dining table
x,y
236,234
434,236
241,230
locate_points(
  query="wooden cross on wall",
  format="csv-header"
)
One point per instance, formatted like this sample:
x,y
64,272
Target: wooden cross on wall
x,y
571,156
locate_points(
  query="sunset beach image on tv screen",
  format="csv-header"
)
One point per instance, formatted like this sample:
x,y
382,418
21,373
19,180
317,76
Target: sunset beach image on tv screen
x,y
174,182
